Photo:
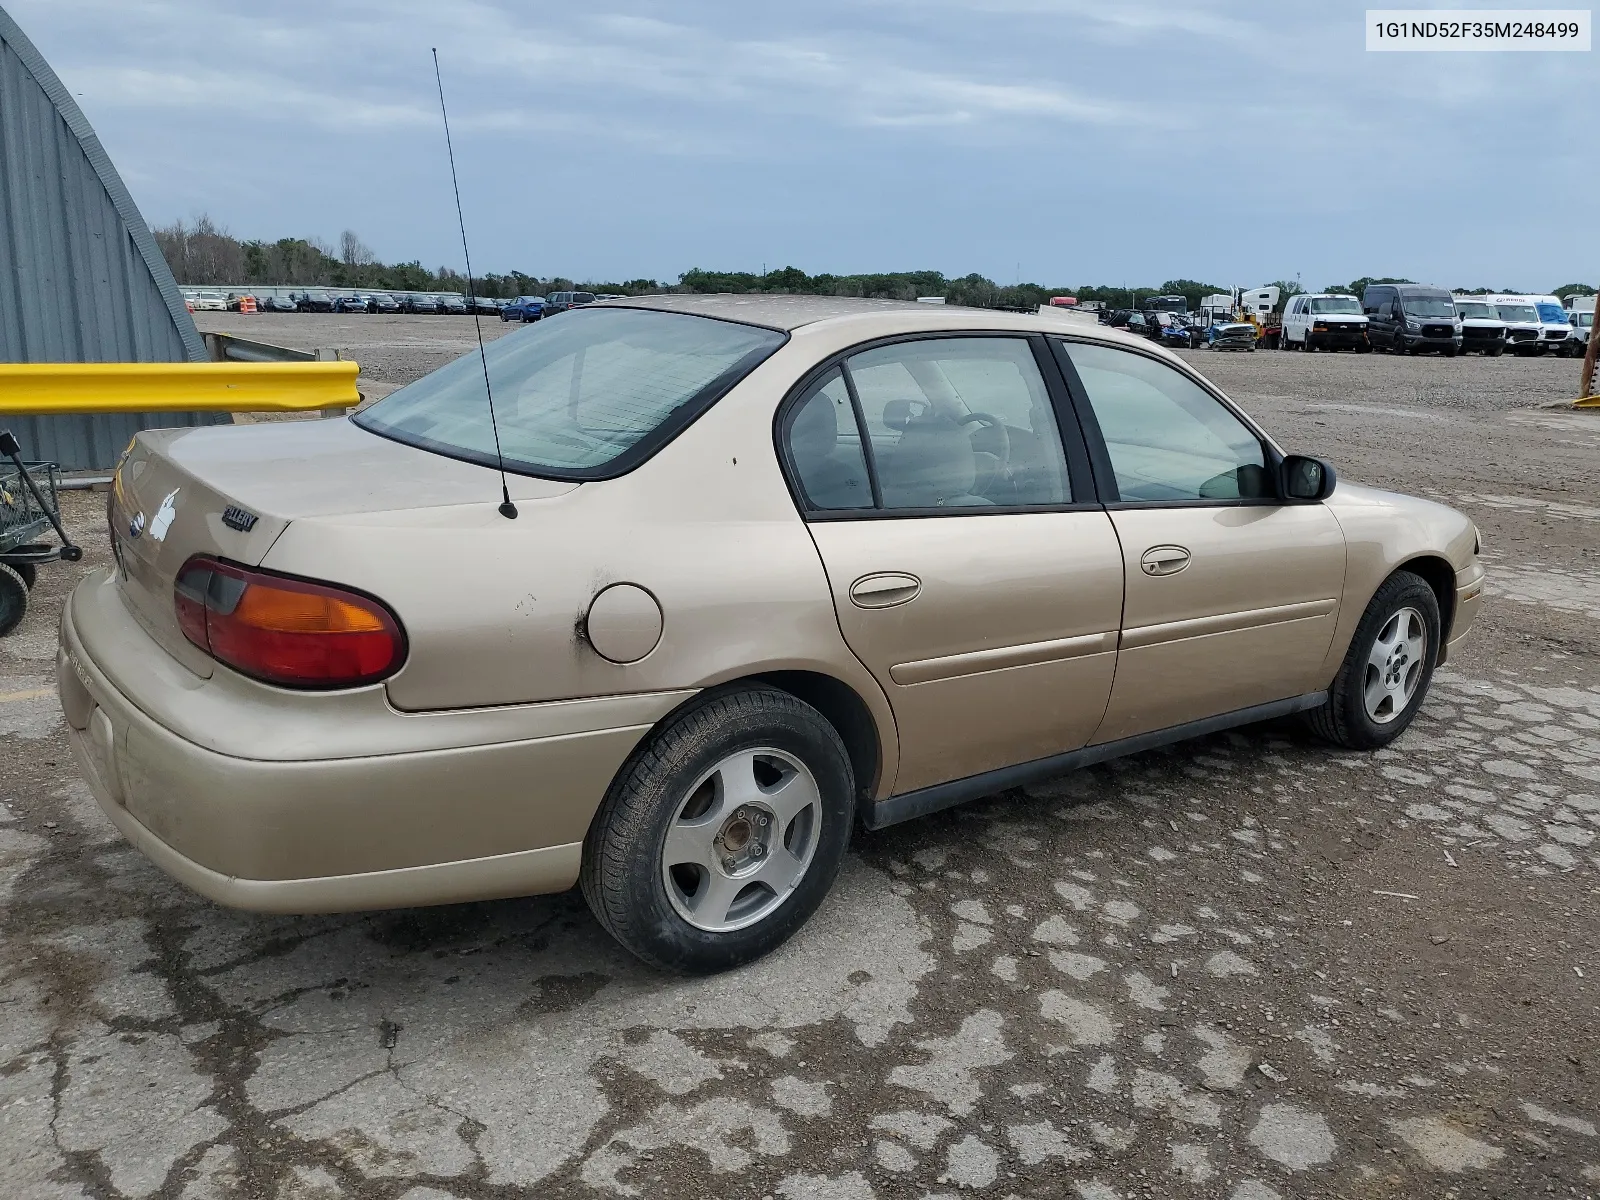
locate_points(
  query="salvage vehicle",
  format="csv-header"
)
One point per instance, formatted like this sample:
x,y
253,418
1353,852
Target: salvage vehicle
x,y
702,583
1324,322
1170,329
1482,330
1227,333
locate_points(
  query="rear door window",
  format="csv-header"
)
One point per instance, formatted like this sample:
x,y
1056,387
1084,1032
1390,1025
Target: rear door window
x,y
960,423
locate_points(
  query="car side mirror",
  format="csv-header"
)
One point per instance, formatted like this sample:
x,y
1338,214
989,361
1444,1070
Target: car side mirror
x,y
1306,480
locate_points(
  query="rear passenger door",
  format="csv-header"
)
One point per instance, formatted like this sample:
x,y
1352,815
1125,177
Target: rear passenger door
x,y
1231,593
971,568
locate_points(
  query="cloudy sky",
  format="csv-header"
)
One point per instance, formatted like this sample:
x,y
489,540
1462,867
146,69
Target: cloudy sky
x,y
1065,141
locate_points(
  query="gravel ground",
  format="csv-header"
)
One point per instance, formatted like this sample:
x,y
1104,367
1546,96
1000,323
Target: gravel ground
x,y
1243,968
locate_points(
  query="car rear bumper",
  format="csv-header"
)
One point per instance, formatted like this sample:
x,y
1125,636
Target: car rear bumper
x,y
469,820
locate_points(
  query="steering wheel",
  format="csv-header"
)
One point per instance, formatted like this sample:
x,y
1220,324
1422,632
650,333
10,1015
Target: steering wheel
x,y
990,421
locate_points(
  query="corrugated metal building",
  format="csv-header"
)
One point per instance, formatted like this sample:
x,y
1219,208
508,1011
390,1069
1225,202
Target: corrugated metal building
x,y
81,279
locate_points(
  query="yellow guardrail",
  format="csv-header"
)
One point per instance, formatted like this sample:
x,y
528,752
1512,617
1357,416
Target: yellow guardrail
x,y
55,388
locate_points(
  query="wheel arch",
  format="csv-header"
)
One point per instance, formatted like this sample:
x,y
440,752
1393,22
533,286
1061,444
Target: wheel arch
x,y
847,712
872,749
1440,576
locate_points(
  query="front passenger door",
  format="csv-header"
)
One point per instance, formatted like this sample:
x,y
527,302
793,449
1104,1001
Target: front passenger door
x,y
1231,595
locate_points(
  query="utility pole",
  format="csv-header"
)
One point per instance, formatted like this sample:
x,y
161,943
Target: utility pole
x,y
1586,377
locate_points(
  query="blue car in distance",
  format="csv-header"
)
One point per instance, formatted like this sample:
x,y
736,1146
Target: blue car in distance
x,y
523,308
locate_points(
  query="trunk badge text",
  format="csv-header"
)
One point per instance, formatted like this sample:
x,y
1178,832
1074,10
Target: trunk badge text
x,y
235,517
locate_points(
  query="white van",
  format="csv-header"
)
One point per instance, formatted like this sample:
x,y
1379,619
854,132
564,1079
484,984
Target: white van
x,y
1580,311
1524,332
1324,321
1555,330
1481,327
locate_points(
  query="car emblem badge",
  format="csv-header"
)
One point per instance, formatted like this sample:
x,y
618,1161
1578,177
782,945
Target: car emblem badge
x,y
235,517
136,526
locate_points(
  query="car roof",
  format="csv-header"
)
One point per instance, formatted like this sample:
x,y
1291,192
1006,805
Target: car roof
x,y
882,318
773,311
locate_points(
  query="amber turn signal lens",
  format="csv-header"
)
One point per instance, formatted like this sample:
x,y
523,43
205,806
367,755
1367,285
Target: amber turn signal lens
x,y
292,632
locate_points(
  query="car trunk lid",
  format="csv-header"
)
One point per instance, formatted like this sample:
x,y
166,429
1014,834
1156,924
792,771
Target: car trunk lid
x,y
231,490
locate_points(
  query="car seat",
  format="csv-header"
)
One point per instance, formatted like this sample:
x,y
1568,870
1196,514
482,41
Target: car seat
x,y
829,481
932,465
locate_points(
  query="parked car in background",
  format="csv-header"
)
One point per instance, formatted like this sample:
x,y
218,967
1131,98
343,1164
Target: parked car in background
x,y
1482,330
314,301
351,304
276,303
382,302
562,301
1410,317
418,302
1523,329
205,300
452,303
1324,321
485,306
523,308
236,301
875,582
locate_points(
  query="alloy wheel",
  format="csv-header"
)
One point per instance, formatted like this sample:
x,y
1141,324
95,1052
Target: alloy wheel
x,y
741,840
1395,666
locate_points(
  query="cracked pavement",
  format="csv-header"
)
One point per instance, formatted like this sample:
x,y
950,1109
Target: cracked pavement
x,y
1245,967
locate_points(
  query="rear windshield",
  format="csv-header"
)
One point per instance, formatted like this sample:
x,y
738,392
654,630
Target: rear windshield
x,y
1336,304
599,388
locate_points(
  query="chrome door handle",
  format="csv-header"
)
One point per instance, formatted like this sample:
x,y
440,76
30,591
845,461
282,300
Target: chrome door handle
x,y
1164,560
884,589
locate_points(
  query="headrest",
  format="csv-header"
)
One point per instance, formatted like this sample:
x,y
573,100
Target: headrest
x,y
815,432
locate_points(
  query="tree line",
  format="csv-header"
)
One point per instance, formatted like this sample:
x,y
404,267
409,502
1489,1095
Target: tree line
x,y
204,253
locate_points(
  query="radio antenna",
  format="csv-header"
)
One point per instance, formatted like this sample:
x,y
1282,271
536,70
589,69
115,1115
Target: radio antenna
x,y
507,509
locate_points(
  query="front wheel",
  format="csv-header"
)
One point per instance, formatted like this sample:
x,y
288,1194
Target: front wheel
x,y
1386,672
723,832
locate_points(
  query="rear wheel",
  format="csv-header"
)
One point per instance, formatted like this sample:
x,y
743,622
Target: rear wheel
x,y
1387,670
723,833
13,599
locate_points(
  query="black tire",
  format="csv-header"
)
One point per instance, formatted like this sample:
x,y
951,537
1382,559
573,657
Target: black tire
x,y
622,876
13,599
1343,720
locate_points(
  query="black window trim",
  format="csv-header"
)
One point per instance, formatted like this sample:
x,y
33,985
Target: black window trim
x,y
1085,497
1100,458
642,451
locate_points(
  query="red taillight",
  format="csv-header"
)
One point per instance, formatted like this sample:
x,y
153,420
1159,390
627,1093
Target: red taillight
x,y
286,631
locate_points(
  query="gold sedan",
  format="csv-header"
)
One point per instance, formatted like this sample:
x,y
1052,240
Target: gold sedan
x,y
762,567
